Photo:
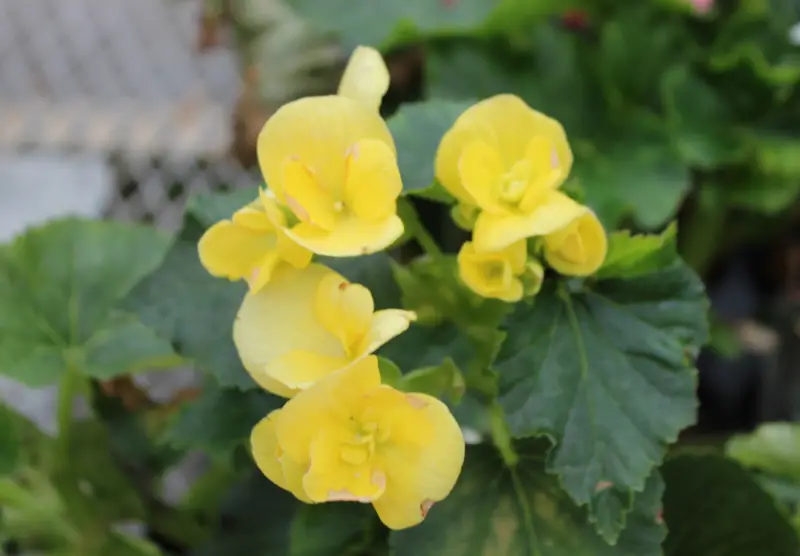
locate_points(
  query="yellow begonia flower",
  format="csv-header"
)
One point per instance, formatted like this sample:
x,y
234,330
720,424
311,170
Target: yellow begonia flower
x,y
332,161
508,160
494,274
306,324
250,246
350,438
579,249
366,77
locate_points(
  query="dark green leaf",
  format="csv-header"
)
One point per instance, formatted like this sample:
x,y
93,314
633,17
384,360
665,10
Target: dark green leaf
x,y
10,446
417,129
713,506
523,511
59,284
182,302
633,255
220,419
608,375
334,530
390,372
374,23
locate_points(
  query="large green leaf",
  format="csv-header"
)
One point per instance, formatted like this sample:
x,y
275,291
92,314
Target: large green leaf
x,y
713,506
337,530
523,511
417,129
374,23
607,373
220,419
59,285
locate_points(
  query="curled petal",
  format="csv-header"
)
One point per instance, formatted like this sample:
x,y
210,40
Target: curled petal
x,y
481,168
494,274
353,236
344,309
272,461
554,212
373,182
579,249
419,473
230,251
366,77
385,325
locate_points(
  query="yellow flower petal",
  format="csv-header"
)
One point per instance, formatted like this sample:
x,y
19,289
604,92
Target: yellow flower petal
x,y
228,250
481,169
494,274
300,369
373,182
495,232
271,460
292,253
353,237
318,131
253,218
281,318
386,324
261,275
579,249
507,125
366,77
418,474
328,401
341,471
344,309
308,201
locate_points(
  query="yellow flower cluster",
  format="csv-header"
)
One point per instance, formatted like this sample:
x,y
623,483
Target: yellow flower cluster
x,y
305,333
504,162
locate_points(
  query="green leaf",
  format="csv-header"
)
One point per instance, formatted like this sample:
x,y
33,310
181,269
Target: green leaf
x,y
763,193
390,373
417,129
523,511
122,544
255,518
442,381
95,490
334,530
633,255
371,23
778,153
210,208
371,271
59,284
182,302
634,174
220,419
10,445
607,374
773,448
713,506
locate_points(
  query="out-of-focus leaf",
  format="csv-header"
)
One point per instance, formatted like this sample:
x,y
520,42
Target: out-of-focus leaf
x,y
335,530
773,448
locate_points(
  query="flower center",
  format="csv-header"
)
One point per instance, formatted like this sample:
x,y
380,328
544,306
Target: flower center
x,y
514,183
361,446
494,272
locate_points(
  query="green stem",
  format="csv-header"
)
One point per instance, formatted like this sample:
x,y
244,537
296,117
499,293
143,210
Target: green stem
x,y
65,411
502,436
416,229
701,229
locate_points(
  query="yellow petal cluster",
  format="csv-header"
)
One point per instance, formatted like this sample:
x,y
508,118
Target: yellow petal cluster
x,y
306,333
306,324
504,163
350,438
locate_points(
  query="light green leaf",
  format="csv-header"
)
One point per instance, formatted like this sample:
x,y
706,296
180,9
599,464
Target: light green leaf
x,y
523,511
441,381
633,255
763,193
777,153
334,530
210,208
59,284
10,445
374,23
713,506
220,419
773,448
417,129
606,373
390,373
182,302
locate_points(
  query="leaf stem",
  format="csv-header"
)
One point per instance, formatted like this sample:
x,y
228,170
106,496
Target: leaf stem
x,y
416,229
66,408
501,436
702,226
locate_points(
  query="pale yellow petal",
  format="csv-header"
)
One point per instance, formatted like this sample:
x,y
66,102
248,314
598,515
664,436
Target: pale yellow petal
x,y
330,400
230,251
493,274
281,318
373,181
366,77
318,131
386,324
272,461
352,237
344,309
419,473
305,197
508,125
481,170
253,218
298,370
341,472
262,274
578,250
494,232
292,253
